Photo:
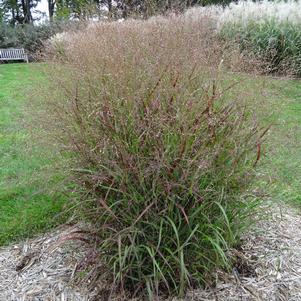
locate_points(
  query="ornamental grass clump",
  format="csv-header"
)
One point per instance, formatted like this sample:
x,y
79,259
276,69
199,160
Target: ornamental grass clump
x,y
268,30
162,154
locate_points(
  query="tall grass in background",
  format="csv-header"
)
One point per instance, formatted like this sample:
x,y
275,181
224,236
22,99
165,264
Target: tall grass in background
x,y
271,31
163,156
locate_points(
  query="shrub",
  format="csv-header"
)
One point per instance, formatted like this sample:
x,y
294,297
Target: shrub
x,y
29,36
269,30
162,154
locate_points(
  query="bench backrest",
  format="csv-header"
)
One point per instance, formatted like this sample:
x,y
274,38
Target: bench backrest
x,y
13,54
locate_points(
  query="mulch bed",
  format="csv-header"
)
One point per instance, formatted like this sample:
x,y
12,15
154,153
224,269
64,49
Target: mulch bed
x,y
268,265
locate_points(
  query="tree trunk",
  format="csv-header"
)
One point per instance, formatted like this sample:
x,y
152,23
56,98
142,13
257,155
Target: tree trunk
x,y
26,11
51,4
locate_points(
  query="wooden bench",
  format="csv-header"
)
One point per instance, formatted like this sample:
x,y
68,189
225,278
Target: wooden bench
x,y
13,54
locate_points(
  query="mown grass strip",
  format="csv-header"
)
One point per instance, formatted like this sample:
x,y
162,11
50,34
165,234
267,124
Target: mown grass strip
x,y
27,206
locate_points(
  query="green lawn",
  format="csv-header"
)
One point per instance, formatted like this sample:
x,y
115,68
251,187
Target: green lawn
x,y
26,204
30,201
282,164
277,102
280,168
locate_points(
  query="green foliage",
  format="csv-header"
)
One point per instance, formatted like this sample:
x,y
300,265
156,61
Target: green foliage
x,y
18,11
28,36
277,44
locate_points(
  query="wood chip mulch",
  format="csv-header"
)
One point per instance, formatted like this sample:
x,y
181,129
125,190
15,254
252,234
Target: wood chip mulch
x,y
271,262
268,266
42,269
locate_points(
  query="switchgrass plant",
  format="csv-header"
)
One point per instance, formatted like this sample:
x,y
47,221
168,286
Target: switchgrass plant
x,y
161,153
268,30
